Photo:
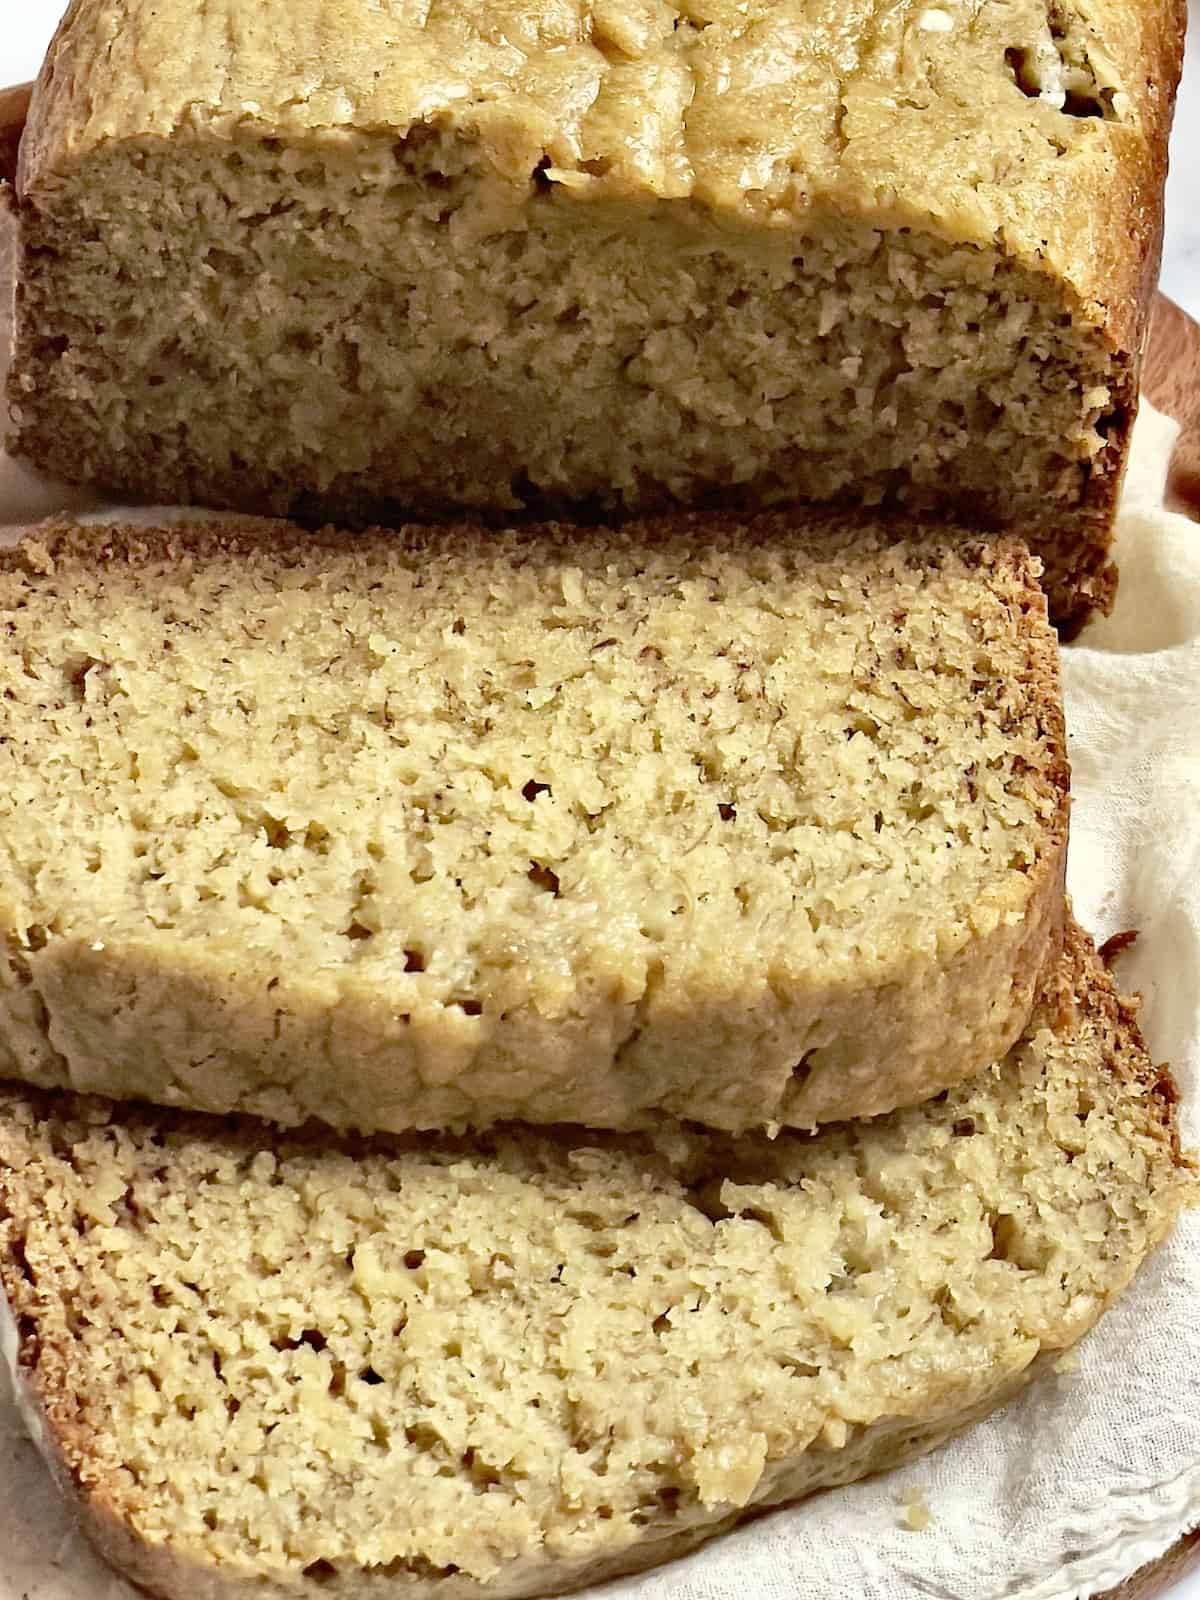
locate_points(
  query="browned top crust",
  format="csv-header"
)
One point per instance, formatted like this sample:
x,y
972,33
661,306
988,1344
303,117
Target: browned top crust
x,y
1039,127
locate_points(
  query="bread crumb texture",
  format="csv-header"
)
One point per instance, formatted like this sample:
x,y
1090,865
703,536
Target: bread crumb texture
x,y
346,258
917,1513
530,1360
441,827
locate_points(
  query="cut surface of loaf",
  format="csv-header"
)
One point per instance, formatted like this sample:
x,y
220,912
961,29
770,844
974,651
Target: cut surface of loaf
x,y
445,826
625,256
510,1366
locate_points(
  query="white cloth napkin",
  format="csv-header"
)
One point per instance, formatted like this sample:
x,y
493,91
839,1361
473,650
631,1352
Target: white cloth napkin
x,y
1095,1471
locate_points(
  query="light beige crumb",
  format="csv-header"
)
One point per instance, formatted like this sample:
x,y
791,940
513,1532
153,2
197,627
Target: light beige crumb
x,y
494,1369
917,1514
445,827
515,258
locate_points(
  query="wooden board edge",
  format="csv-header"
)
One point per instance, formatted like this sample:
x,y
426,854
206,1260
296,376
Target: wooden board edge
x,y
14,105
1157,1577
1171,383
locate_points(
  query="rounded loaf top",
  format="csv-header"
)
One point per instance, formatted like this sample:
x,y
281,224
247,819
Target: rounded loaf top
x,y
1024,124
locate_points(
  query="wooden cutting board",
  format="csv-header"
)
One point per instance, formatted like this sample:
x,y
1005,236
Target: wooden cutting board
x,y
14,103
1171,382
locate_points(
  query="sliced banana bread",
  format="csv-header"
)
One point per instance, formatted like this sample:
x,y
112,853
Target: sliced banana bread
x,y
437,1367
344,258
746,824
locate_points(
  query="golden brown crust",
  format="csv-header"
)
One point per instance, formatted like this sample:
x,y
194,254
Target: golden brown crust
x,y
1125,278
725,135
204,536
1135,222
1116,944
1079,976
1083,583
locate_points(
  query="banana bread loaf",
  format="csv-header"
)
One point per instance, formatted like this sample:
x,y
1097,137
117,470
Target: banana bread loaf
x,y
741,823
349,259
506,1368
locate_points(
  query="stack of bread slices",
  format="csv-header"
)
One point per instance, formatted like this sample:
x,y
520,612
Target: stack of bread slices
x,y
528,1041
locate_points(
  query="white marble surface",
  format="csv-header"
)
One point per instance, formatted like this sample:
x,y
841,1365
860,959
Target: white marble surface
x,y
23,38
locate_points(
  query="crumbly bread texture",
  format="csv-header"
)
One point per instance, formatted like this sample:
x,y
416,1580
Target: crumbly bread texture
x,y
743,823
345,258
511,1366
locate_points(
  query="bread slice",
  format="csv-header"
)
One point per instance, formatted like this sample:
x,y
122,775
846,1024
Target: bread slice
x,y
436,1367
337,258
444,827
